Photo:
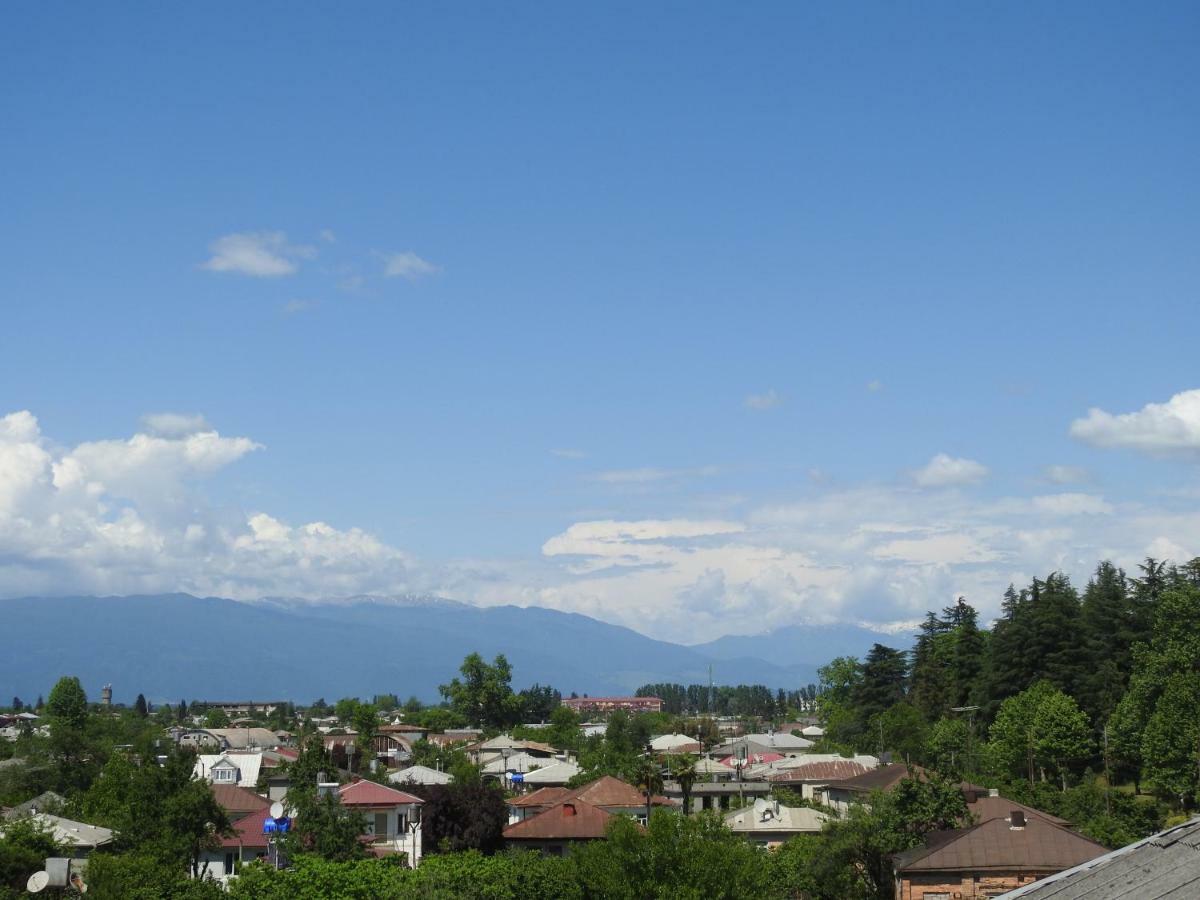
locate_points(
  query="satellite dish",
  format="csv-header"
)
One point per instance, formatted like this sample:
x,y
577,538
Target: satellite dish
x,y
276,810
37,882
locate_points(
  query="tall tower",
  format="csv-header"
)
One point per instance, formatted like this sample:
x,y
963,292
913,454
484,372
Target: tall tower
x,y
106,695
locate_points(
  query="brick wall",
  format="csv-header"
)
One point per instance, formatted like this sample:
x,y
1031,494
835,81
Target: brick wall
x,y
943,886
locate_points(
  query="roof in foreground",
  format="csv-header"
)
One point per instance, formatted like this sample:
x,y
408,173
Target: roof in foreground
x,y
1164,866
571,819
996,846
72,833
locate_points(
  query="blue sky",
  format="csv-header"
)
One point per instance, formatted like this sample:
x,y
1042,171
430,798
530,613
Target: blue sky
x,y
750,266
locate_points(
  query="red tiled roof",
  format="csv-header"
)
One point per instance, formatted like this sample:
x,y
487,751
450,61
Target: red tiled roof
x,y
834,770
1040,847
248,831
234,799
573,820
368,793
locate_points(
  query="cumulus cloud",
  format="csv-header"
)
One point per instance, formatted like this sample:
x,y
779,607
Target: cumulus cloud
x,y
947,471
1073,504
1065,474
762,402
1171,427
407,265
262,254
169,424
125,516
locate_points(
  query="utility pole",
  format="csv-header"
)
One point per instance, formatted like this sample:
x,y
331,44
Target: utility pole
x,y
1107,777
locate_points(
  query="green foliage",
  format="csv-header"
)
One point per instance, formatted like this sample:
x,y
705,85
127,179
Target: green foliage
x,y
462,816
484,695
675,857
141,876
1039,731
216,718
24,847
68,705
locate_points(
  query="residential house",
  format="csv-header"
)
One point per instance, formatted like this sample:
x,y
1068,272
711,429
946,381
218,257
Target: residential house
x,y
607,793
769,824
557,772
1163,865
78,838
238,802
526,805
675,743
840,795
749,745
989,859
45,802
241,769
808,779
556,828
393,817
249,841
420,775
611,704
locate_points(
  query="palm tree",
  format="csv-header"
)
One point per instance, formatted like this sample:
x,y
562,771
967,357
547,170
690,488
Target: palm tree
x,y
650,780
683,770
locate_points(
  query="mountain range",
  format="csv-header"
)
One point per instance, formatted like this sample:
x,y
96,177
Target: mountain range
x,y
176,646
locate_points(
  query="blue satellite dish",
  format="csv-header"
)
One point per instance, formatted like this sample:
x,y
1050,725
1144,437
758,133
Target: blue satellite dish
x,y
516,776
270,826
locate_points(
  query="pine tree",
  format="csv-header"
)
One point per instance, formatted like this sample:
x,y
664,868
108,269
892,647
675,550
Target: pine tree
x,y
139,706
930,690
1109,631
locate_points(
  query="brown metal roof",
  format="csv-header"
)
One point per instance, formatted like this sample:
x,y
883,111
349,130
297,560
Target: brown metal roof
x,y
234,799
613,792
994,845
882,779
546,796
571,820
834,770
985,808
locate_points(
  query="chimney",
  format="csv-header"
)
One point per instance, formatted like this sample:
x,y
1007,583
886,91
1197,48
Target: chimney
x,y
568,809
1016,820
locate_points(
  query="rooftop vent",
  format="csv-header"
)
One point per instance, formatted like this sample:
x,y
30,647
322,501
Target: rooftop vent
x,y
1016,819
568,809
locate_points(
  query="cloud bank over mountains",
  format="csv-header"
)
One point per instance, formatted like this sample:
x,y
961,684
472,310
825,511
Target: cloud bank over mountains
x,y
131,515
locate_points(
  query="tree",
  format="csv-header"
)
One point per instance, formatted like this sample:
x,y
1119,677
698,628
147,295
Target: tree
x,y
675,856
68,705
683,770
1171,740
462,816
140,708
947,744
484,696
1039,730
24,845
538,703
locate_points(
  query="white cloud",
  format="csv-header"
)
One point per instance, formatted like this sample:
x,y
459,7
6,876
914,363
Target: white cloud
x,y
874,385
567,453
292,307
1170,427
169,424
327,235
1073,504
263,254
407,265
947,471
761,402
1065,474
648,474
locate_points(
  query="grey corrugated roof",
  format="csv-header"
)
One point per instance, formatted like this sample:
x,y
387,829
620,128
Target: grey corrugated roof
x,y
1165,866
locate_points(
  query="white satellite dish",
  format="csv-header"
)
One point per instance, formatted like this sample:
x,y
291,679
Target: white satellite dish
x,y
37,882
276,810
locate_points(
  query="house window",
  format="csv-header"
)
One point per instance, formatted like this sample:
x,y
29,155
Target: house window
x,y
229,858
381,827
223,774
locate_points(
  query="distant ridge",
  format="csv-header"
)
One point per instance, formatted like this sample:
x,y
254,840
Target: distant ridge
x,y
176,646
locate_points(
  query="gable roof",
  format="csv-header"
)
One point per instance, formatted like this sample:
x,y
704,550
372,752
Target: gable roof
x,y
248,831
607,791
234,799
987,807
763,816
833,770
46,800
882,779
546,796
1164,865
571,819
73,834
993,845
368,793
556,773
420,775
